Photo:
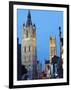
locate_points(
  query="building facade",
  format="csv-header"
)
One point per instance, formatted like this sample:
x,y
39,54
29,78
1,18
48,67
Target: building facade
x,y
28,47
47,69
55,66
39,69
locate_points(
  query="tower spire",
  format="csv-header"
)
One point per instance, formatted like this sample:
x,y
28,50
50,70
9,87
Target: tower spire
x,y
29,22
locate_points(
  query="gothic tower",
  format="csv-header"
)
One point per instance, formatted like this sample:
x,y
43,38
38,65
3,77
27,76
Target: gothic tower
x,y
52,47
28,48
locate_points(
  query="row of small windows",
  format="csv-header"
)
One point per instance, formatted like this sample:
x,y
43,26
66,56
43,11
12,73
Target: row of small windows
x,y
25,49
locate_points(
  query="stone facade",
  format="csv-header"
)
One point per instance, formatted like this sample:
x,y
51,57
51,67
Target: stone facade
x,y
28,48
52,47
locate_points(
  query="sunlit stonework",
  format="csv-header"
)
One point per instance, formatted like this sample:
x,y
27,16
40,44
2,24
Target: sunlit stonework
x,y
28,48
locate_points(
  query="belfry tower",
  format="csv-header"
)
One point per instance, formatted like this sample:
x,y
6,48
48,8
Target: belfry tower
x,y
28,49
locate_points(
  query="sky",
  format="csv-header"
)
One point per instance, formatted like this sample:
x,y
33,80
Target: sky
x,y
47,24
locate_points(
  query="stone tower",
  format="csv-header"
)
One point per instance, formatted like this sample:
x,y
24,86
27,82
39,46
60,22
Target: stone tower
x,y
52,47
28,48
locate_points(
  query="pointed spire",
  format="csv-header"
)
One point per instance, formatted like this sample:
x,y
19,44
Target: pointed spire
x,y
29,14
29,22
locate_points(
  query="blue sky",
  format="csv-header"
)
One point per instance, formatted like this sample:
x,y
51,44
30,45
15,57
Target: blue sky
x,y
47,24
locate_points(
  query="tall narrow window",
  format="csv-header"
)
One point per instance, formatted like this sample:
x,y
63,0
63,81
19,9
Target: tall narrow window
x,y
25,49
26,34
29,48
